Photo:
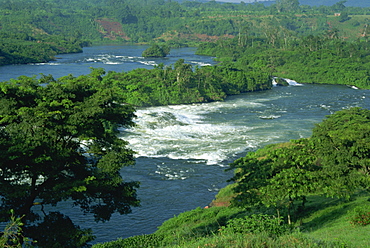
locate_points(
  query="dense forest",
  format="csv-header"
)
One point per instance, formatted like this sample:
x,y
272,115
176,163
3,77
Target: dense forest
x,y
325,58
58,137
28,27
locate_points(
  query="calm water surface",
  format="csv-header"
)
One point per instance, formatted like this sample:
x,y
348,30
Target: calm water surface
x,y
183,150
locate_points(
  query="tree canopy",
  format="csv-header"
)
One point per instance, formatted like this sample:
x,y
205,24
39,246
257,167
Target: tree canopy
x,y
58,143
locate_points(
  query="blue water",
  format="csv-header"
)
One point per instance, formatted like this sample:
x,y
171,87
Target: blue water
x,y
183,150
111,58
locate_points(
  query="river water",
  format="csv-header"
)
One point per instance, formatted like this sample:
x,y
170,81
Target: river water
x,y
183,150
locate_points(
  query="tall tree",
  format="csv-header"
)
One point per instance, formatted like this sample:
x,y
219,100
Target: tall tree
x,y
276,177
58,143
342,143
287,5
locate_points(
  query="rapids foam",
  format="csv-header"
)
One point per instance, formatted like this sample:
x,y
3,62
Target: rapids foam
x,y
111,59
186,132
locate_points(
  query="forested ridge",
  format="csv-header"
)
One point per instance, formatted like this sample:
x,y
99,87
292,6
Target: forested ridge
x,y
28,27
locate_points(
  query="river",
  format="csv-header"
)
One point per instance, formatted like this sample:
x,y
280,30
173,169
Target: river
x,y
183,150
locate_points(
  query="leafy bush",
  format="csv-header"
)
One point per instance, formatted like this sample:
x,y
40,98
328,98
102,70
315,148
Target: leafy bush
x,y
257,223
360,216
145,240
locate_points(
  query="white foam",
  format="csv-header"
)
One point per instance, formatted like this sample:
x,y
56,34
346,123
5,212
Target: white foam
x,y
292,82
184,132
200,63
115,59
49,63
113,63
289,81
151,63
270,117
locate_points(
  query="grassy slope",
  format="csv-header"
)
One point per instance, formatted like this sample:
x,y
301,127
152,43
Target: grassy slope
x,y
332,223
327,225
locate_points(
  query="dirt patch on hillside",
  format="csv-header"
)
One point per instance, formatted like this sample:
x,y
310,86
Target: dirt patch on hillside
x,y
111,29
219,204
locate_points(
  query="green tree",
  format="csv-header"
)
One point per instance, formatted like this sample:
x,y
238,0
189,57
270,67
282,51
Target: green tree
x,y
278,178
342,142
58,143
287,5
339,6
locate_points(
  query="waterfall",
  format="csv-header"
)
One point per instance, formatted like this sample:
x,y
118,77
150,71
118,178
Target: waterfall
x,y
278,81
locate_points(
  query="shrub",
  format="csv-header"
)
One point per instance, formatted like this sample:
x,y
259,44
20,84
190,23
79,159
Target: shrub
x,y
360,216
257,223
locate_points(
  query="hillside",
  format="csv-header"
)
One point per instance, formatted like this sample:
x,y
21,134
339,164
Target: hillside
x,y
51,27
350,3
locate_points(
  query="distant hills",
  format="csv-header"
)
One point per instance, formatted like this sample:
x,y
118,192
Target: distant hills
x,y
352,3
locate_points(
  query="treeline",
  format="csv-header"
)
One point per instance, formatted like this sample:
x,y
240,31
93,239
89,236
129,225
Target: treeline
x,y
325,58
181,84
23,49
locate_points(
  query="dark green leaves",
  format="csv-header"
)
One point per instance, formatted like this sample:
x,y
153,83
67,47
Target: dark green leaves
x,y
58,142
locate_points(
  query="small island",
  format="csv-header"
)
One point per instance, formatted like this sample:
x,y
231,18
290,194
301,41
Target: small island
x,y
156,51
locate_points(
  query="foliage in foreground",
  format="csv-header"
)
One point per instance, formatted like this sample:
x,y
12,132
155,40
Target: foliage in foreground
x,y
12,236
58,143
360,216
201,233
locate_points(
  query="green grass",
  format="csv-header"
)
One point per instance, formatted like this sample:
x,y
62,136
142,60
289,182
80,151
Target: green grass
x,y
196,224
326,223
332,222
296,240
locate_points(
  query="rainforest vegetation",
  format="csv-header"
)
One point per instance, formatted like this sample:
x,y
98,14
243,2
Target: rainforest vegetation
x,y
58,136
